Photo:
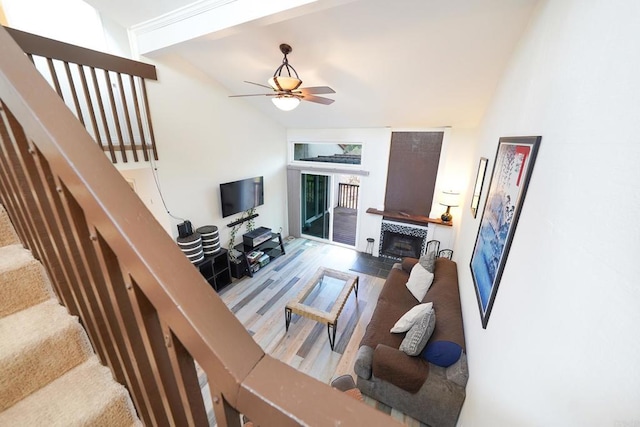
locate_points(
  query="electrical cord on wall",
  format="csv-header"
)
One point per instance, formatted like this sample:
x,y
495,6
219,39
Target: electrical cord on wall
x,y
154,172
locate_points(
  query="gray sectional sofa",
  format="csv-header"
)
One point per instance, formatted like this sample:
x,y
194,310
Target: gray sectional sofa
x,y
431,386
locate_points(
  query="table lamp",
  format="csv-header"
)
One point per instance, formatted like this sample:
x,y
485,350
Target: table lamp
x,y
448,199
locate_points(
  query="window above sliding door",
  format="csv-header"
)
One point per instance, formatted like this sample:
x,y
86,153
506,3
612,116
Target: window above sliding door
x,y
327,152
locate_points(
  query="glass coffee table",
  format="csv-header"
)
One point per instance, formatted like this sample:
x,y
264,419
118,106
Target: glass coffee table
x,y
323,298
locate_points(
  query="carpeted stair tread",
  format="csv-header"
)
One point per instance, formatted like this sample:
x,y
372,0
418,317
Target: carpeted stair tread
x,y
39,344
49,375
86,395
8,234
13,256
23,281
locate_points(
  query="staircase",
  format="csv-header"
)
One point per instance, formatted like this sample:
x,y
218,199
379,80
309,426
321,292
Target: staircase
x,y
49,374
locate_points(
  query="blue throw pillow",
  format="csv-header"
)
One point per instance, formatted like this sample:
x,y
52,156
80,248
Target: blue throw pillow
x,y
442,353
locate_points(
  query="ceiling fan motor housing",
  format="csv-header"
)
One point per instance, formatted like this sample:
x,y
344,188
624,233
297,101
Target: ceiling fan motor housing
x,y
290,81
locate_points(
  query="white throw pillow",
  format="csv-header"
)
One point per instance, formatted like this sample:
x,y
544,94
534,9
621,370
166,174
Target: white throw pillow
x,y
410,317
419,282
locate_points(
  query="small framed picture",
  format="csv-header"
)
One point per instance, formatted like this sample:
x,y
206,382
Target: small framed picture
x,y
477,188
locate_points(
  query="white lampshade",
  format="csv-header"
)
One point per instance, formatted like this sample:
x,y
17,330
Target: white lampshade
x,y
286,103
284,83
449,198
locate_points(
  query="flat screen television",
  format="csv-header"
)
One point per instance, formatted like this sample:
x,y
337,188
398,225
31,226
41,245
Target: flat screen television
x,y
239,196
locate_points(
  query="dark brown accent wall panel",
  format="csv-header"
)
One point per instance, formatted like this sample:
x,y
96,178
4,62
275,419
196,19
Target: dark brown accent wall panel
x,y
413,167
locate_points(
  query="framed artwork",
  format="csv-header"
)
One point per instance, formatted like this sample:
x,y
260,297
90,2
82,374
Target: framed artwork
x,y
477,188
509,181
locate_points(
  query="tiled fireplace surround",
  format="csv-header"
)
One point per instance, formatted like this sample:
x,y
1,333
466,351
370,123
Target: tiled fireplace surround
x,y
398,240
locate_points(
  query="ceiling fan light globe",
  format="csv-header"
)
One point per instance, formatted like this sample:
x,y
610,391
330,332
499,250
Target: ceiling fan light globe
x,y
286,103
284,83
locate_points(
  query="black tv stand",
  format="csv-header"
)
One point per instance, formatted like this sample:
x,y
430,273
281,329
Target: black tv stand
x,y
273,247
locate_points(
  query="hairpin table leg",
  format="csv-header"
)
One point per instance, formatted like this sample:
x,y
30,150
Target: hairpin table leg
x,y
331,330
287,318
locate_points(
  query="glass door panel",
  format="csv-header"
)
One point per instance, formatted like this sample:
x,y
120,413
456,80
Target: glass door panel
x,y
315,205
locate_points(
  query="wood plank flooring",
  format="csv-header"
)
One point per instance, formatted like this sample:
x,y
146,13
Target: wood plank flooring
x,y
259,303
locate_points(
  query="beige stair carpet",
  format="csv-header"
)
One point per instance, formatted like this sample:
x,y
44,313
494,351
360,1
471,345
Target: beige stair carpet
x,y
84,396
49,375
23,281
39,344
8,234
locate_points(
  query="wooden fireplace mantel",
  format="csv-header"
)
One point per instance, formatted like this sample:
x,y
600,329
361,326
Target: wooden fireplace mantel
x,y
403,216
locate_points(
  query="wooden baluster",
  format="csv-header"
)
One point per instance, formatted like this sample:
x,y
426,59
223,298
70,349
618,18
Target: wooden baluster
x,y
148,116
105,125
116,119
139,118
74,93
132,142
92,113
54,78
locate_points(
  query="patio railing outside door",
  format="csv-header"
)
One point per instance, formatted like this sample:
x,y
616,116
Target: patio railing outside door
x,y
348,195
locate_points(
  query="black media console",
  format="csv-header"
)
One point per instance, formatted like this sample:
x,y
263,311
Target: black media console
x,y
254,257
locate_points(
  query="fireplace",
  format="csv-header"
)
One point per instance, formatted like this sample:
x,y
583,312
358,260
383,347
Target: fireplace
x,y
398,240
397,245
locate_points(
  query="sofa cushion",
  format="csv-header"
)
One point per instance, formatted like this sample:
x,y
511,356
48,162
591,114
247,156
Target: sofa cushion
x,y
445,295
419,281
442,353
394,366
395,291
417,337
384,317
411,317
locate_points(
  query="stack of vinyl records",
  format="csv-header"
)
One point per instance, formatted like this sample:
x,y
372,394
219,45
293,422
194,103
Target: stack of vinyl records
x,y
210,239
191,246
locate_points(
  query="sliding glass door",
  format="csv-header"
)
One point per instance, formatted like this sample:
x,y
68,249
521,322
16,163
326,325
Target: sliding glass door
x,y
329,207
315,205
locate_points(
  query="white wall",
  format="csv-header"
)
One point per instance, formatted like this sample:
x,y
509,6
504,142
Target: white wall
x,y
457,163
561,346
145,187
204,139
70,21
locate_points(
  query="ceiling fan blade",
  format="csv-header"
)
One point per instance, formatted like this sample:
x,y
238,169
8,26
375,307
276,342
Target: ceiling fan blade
x,y
259,84
316,90
253,94
318,99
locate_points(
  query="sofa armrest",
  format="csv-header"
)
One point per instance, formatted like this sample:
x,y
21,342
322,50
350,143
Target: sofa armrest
x,y
459,371
398,368
408,263
364,362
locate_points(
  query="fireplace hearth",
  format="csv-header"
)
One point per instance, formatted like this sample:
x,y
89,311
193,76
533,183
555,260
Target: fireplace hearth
x,y
398,240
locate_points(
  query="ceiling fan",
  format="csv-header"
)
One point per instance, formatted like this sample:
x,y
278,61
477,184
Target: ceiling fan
x,y
287,92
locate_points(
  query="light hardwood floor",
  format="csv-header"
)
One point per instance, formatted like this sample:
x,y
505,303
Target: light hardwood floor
x,y
259,303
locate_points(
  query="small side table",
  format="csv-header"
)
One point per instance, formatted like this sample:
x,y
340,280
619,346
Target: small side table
x,y
369,249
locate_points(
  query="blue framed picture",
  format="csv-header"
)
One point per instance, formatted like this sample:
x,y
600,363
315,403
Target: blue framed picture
x,y
509,181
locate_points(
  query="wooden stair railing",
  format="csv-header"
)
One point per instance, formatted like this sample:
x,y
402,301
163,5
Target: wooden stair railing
x,y
147,310
117,119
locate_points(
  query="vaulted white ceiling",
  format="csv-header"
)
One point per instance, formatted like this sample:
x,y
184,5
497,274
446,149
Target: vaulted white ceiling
x,y
406,63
